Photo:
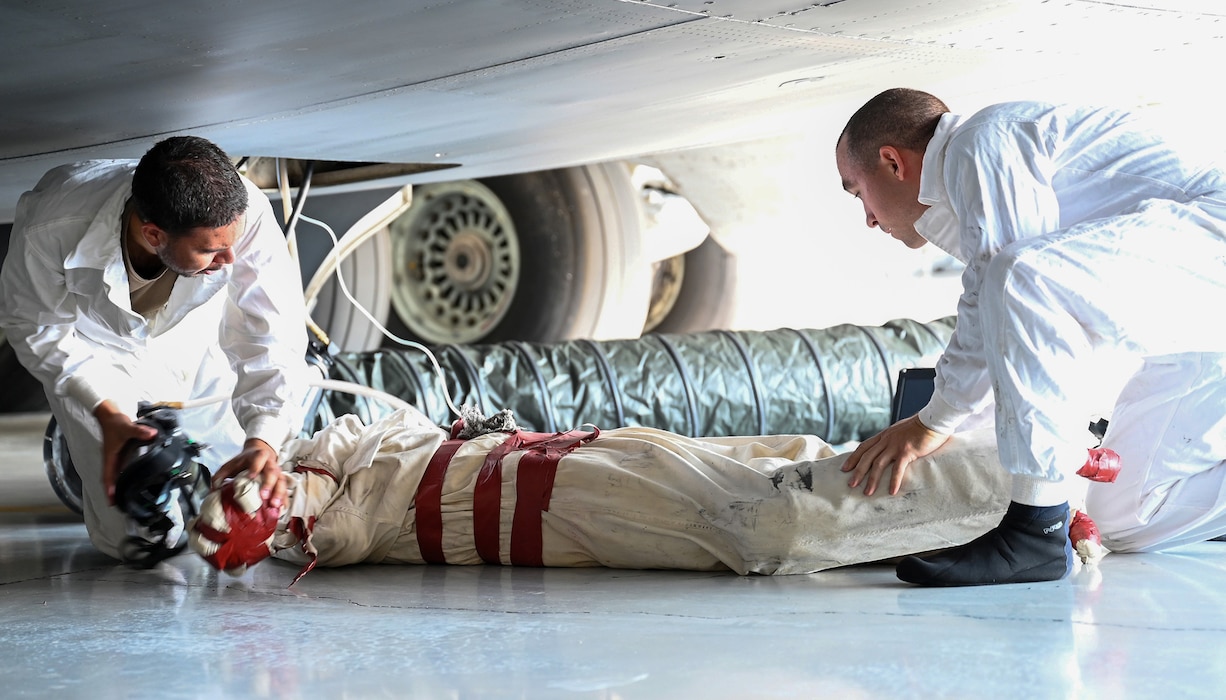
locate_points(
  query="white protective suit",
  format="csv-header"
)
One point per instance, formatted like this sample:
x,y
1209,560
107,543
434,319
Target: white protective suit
x,y
1084,231
65,308
625,498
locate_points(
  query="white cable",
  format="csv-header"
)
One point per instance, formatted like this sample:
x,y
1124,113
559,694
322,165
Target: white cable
x,y
363,230
195,403
286,205
349,387
330,384
438,370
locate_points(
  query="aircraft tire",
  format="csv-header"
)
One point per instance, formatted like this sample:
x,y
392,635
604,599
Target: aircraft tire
x,y
61,472
708,289
575,267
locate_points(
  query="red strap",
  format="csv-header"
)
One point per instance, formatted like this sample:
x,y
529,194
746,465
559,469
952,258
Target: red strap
x,y
428,503
300,468
302,530
533,487
542,450
537,468
487,498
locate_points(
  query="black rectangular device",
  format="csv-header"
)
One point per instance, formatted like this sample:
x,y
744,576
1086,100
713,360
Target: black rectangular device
x,y
914,389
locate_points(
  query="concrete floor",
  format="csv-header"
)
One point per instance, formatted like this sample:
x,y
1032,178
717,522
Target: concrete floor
x,y
75,624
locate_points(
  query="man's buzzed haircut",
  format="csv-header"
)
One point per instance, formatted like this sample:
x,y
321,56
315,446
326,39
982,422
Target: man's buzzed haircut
x,y
187,182
899,117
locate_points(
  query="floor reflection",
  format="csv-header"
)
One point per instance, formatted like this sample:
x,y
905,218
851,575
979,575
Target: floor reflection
x,y
77,625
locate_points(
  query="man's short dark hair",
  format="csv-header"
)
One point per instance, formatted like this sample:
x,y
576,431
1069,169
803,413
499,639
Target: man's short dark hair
x,y
187,182
899,117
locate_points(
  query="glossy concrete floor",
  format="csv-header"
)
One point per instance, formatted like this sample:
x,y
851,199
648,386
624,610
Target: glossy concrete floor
x,y
75,624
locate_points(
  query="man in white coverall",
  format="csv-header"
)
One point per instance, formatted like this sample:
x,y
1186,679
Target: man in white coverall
x,y
151,280
399,491
1081,230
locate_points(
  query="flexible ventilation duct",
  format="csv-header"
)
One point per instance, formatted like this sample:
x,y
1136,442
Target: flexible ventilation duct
x,y
836,383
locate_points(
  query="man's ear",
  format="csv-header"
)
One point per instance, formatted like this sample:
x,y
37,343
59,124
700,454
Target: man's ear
x,y
152,235
892,158
904,164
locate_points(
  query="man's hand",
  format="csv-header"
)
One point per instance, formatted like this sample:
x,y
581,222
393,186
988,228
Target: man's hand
x,y
117,430
259,460
895,447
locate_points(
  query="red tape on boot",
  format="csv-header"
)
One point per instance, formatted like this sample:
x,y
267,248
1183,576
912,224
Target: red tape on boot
x,y
1087,541
1101,465
235,527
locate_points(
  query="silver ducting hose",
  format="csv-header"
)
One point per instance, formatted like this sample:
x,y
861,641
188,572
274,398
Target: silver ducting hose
x,y
836,383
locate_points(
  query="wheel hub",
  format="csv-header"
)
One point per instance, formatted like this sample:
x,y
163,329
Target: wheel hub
x,y
457,262
468,261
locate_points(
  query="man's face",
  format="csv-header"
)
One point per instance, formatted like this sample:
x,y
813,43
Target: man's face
x,y
202,251
888,190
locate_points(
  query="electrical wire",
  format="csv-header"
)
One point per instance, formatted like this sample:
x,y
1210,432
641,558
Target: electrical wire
x,y
438,370
329,384
361,390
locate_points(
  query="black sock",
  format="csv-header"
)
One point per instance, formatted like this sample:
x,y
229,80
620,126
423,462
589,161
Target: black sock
x,y
1030,544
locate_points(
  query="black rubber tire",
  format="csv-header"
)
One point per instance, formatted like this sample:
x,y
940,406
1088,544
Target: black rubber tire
x,y
61,472
708,292
582,273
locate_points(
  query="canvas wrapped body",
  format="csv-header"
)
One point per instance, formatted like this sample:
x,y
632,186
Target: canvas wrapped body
x,y
626,498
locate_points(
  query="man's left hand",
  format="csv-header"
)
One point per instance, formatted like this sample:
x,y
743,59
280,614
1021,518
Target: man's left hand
x,y
259,460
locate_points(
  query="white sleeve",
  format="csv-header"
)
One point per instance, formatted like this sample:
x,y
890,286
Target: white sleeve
x,y
38,316
264,330
998,178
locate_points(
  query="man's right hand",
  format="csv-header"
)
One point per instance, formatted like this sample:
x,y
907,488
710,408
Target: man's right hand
x,y
117,430
890,452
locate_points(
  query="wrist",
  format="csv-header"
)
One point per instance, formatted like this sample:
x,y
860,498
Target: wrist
x,y
257,444
930,431
106,409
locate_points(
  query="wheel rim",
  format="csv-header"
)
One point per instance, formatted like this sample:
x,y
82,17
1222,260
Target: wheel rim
x,y
456,261
65,481
668,276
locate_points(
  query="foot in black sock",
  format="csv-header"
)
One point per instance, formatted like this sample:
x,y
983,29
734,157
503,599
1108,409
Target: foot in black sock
x,y
1030,544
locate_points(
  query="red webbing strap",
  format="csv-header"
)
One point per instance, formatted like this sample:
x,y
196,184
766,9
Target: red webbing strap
x,y
533,487
300,468
542,452
302,530
536,475
428,505
487,497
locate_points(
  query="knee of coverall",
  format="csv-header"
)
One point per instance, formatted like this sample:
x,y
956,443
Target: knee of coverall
x,y
1118,518
105,525
1125,527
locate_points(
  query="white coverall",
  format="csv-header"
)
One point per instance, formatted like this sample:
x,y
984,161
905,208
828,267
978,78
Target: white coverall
x,y
65,308
1083,231
631,498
